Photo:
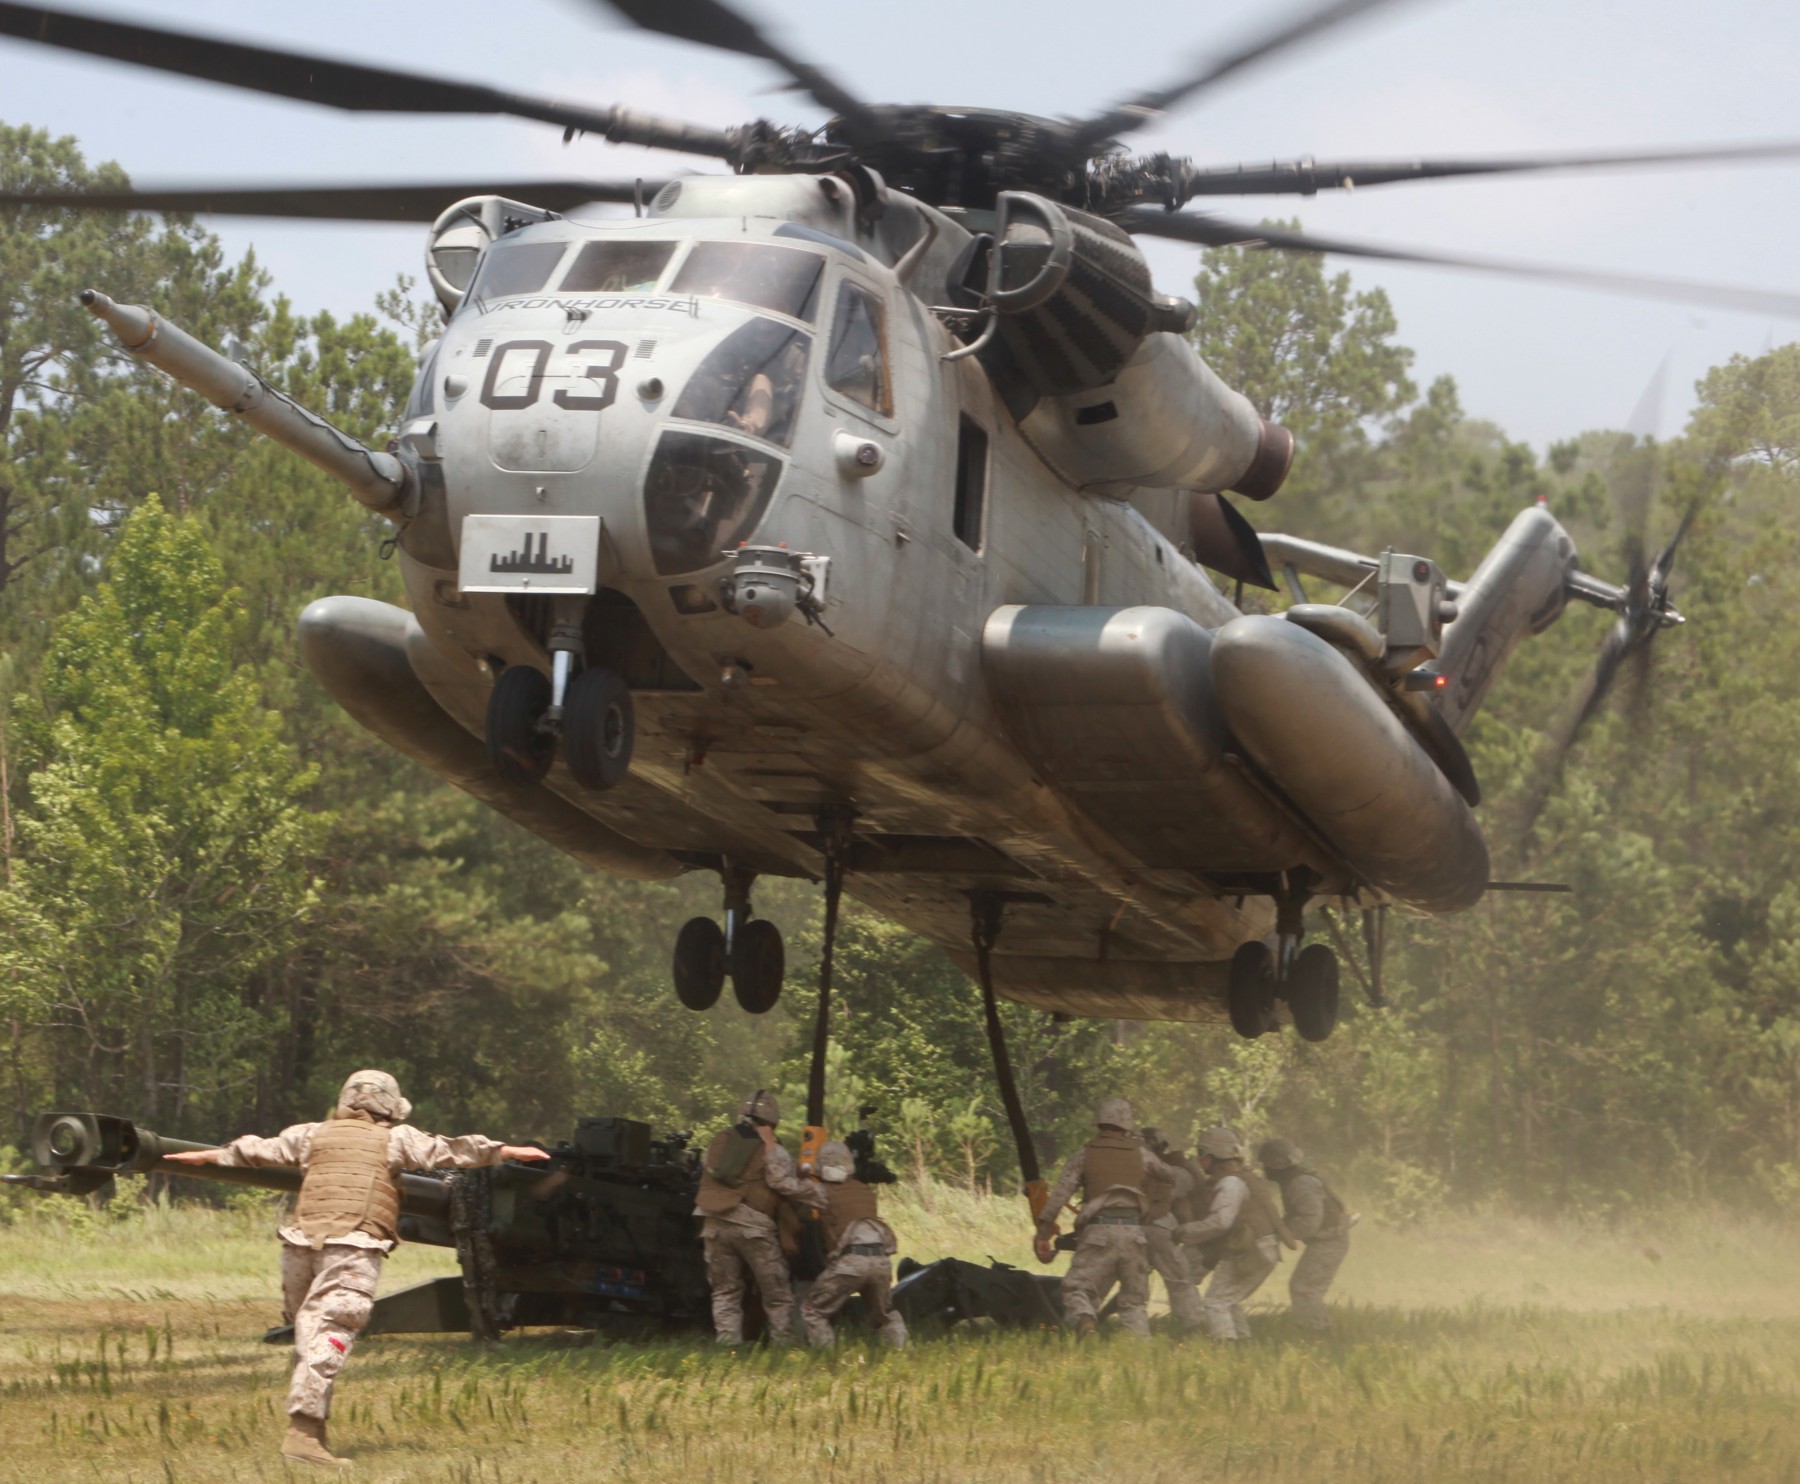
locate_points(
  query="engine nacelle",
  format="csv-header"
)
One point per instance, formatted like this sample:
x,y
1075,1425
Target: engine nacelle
x,y
1125,403
1073,294
1165,421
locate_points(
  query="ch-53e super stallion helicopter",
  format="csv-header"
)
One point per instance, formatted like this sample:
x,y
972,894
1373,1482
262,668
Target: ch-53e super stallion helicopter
x,y
847,517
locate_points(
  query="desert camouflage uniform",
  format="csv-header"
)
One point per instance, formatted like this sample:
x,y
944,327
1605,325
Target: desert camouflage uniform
x,y
1108,1250
743,1241
861,1261
1239,1274
328,1287
1319,1223
1168,1259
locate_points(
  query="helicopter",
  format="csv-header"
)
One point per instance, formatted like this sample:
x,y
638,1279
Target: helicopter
x,y
861,515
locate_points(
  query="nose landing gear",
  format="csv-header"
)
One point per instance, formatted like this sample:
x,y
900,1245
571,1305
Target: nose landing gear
x,y
1307,978
589,709
748,950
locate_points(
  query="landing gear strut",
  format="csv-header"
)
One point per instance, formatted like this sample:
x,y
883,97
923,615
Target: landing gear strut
x,y
589,709
1307,978
747,949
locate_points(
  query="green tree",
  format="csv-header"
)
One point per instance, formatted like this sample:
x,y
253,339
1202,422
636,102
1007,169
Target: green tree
x,y
1312,354
164,860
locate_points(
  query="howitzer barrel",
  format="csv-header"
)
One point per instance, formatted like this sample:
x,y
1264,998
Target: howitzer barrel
x,y
378,480
76,1153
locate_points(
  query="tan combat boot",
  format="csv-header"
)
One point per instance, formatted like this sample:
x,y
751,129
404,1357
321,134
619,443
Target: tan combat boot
x,y
305,1442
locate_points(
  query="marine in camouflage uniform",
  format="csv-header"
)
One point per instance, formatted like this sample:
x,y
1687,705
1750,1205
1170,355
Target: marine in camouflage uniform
x,y
1168,1258
744,1178
1240,1237
861,1247
345,1222
1315,1216
1111,1172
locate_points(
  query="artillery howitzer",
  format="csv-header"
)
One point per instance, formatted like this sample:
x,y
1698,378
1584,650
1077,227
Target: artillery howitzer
x,y
600,1236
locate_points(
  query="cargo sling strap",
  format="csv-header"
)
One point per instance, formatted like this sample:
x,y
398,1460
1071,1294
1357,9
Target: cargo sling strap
x,y
835,832
985,911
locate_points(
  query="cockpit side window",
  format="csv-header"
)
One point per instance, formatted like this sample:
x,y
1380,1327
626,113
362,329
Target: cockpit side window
x,y
856,365
702,497
783,280
617,268
751,381
516,268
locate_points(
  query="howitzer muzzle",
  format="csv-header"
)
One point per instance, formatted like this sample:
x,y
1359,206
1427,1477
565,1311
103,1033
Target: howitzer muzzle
x,y
378,480
77,1153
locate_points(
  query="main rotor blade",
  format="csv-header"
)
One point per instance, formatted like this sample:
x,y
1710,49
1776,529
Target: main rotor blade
x,y
1136,113
712,23
333,83
1307,177
343,203
1212,231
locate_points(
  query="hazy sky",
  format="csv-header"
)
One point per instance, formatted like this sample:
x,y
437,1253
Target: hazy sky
x,y
1428,77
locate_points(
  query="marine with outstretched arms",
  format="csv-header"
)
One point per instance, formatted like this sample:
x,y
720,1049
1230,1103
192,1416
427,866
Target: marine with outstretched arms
x,y
745,1176
860,1247
1240,1237
1319,1220
346,1220
1112,1171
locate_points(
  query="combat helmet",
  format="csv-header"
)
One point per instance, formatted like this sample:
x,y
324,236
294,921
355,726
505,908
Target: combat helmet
x,y
835,1162
1220,1143
1278,1154
1115,1111
374,1093
761,1107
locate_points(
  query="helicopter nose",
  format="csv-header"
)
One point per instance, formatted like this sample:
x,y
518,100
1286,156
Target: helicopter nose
x,y
541,428
544,402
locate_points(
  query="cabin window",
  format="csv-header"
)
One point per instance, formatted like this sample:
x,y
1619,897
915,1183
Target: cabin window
x,y
516,268
784,280
856,365
969,517
702,497
617,268
751,381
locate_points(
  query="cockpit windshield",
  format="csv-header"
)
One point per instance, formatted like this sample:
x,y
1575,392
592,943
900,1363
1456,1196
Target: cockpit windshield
x,y
516,268
751,381
784,280
617,268
702,496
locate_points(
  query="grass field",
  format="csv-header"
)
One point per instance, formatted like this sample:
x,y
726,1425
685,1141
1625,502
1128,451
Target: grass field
x,y
1472,1350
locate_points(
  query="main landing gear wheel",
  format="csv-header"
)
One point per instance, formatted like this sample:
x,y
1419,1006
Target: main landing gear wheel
x,y
598,728
1250,995
1312,992
699,963
519,750
758,962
